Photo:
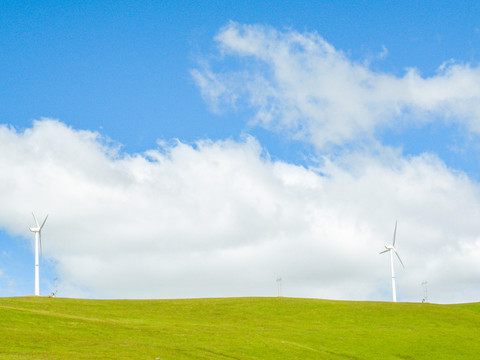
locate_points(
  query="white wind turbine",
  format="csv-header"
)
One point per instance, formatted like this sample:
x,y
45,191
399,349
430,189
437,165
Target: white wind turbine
x,y
38,246
392,250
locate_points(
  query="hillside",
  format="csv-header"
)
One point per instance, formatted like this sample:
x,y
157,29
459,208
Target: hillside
x,y
235,328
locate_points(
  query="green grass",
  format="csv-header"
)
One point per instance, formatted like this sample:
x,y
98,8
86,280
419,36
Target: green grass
x,y
235,328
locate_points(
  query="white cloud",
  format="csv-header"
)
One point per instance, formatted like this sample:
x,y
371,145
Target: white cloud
x,y
222,219
300,84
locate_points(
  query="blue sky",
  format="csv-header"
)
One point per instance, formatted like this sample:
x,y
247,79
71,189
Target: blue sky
x,y
294,126
123,68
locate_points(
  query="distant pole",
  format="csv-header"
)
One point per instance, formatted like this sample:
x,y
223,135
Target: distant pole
x,y
425,291
279,286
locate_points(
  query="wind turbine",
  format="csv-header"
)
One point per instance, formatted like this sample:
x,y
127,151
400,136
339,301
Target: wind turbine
x,y
38,246
391,249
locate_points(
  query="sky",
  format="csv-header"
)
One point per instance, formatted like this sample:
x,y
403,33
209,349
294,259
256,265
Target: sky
x,y
206,149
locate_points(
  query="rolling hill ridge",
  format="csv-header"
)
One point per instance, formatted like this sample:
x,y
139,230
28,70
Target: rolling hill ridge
x,y
235,328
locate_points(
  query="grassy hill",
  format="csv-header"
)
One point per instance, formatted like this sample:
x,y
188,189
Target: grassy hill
x,y
235,328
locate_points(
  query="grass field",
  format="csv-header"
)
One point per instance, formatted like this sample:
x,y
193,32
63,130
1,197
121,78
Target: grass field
x,y
235,328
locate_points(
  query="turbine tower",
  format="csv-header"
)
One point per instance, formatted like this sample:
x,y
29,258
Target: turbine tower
x,y
391,249
38,246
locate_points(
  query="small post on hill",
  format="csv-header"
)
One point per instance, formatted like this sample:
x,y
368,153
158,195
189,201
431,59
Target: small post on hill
x,y
425,291
54,292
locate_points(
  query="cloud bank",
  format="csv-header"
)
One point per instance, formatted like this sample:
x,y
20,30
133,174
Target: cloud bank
x,y
223,219
300,85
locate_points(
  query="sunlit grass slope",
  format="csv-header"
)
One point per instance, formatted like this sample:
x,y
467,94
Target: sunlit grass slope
x,y
236,328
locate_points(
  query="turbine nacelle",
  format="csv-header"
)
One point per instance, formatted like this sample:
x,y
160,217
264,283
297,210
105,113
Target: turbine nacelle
x,y
38,228
391,248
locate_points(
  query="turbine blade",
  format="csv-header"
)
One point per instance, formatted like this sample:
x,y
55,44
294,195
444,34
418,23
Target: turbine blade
x,y
401,262
395,233
34,218
384,251
44,221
